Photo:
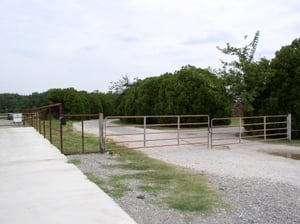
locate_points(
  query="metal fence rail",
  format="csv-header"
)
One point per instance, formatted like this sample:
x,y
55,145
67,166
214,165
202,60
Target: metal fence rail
x,y
157,131
242,129
51,123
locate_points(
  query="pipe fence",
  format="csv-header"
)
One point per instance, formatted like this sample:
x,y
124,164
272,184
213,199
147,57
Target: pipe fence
x,y
63,131
151,131
157,131
244,129
172,130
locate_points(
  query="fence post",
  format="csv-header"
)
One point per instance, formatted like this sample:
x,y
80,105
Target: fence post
x,y
82,135
145,123
44,127
50,124
240,130
61,138
39,120
265,128
210,132
178,130
101,135
36,121
289,127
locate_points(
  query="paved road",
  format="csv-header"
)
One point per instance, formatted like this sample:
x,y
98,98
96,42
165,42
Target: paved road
x,y
5,122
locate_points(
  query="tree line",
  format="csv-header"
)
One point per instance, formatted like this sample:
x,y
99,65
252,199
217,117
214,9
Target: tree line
x,y
73,101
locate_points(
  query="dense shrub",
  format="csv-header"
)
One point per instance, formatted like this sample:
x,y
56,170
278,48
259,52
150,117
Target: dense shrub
x,y
188,91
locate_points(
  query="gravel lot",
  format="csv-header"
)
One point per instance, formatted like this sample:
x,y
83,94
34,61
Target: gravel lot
x,y
260,188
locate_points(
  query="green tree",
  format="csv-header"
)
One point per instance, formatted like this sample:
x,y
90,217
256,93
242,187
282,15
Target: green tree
x,y
95,103
258,84
109,103
74,102
9,102
282,93
121,85
35,100
238,75
119,89
54,96
190,90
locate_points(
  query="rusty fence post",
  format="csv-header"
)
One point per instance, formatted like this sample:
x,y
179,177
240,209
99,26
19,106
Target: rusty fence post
x,y
39,122
82,135
44,127
50,127
61,138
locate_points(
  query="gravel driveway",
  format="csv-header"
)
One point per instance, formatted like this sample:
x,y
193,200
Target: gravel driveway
x,y
259,187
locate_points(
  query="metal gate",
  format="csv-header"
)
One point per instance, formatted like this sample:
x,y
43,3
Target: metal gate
x,y
171,130
235,130
156,131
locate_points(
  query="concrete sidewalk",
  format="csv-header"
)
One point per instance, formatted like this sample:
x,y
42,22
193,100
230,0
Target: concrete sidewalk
x,y
37,185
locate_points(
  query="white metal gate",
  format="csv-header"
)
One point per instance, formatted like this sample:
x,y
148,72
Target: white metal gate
x,y
243,129
157,131
170,130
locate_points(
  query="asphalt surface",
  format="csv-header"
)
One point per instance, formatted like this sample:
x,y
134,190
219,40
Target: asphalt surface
x,y
39,186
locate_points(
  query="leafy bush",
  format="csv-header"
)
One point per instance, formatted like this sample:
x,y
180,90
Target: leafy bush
x,y
188,91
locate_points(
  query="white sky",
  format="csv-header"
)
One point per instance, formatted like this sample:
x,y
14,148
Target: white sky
x,y
86,44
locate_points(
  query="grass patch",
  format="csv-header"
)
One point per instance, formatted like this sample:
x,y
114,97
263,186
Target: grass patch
x,y
192,193
72,139
74,161
180,188
115,186
118,186
236,122
286,142
152,188
94,179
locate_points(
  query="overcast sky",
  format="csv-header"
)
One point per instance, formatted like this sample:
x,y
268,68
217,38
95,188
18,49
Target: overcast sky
x,y
86,44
